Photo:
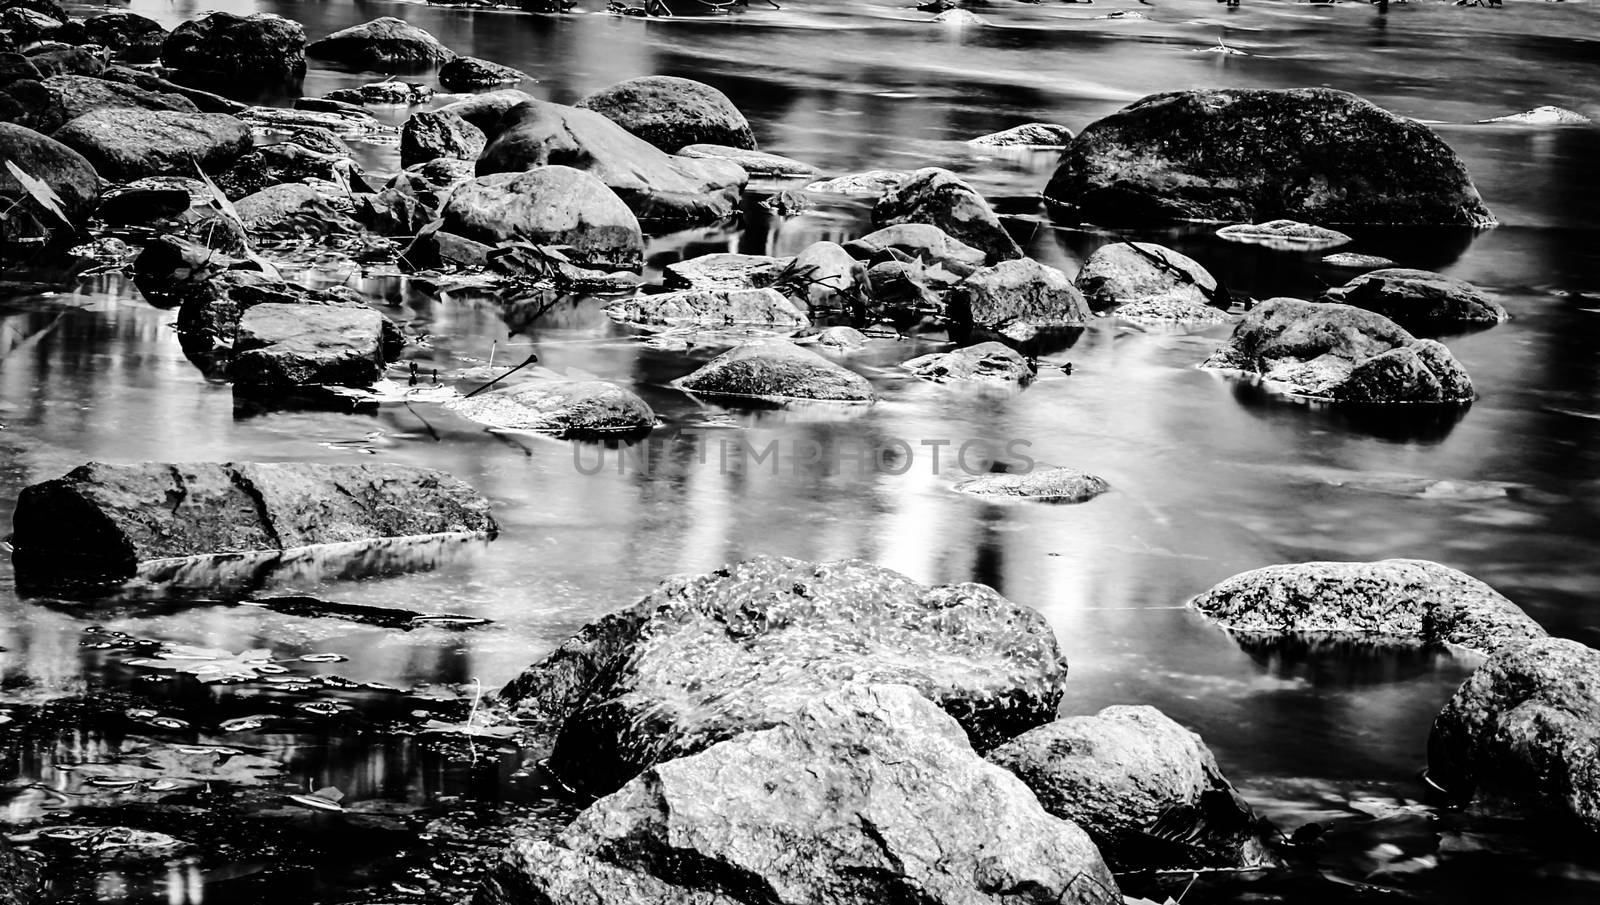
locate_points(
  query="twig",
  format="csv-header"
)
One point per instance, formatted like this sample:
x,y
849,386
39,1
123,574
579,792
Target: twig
x,y
531,359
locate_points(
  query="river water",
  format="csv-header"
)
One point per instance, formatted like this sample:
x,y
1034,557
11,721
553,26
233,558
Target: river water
x,y
1210,477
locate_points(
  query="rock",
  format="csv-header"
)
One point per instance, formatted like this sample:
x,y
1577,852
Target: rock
x,y
1419,300
1285,235
659,188
429,135
126,144
285,162
1423,371
19,881
1544,116
75,95
70,61
147,200
286,205
1027,135
132,37
567,408
487,110
1018,292
384,44
776,370
864,796
14,67
756,163
104,519
1400,600
1172,308
925,242
1043,485
832,280
204,101
901,289
672,113
549,205
172,269
1252,155
1126,272
937,196
1524,731
466,73
988,362
26,102
300,345
842,339
960,18
256,49
390,92
1357,261
1125,773
28,25
704,658
725,270
209,319
57,165
712,308
871,182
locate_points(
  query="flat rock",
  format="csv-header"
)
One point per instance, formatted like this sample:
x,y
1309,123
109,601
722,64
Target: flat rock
x,y
1400,600
383,44
711,309
1027,135
567,408
989,362
938,196
673,113
1419,300
549,205
279,346
127,144
1043,485
1354,260
724,270
776,370
925,242
1133,272
486,110
756,163
1544,116
1015,292
1287,235
465,73
871,182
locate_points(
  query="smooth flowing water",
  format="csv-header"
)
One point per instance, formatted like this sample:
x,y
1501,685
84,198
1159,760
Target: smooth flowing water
x,y
1211,477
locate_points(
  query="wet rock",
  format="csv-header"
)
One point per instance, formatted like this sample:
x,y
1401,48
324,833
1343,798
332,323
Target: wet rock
x,y
19,882
659,188
842,339
864,796
70,60
937,196
776,370
1285,235
1125,272
209,318
756,163
25,102
1027,135
1419,300
567,408
126,144
672,113
1403,600
390,92
438,250
704,658
1544,116
725,270
308,345
828,278
69,174
1252,155
925,242
988,362
256,49
960,18
132,37
1356,261
384,44
1043,485
871,182
14,67
1523,733
431,135
487,110
549,205
712,308
172,268
76,95
1123,773
106,519
289,205
1172,308
1018,292
286,162
900,289
28,25
1423,371
466,73
204,101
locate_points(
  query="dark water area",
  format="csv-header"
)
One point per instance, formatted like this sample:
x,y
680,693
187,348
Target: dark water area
x,y
1211,477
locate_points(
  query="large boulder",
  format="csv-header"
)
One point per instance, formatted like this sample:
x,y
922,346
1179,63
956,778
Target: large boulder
x,y
106,519
125,144
1419,300
566,408
1524,731
1403,601
254,49
938,196
776,370
384,44
672,113
711,309
988,362
1332,351
1132,272
1254,155
132,37
549,205
432,134
864,796
1021,292
704,658
1128,773
279,346
64,170
488,109
75,95
661,189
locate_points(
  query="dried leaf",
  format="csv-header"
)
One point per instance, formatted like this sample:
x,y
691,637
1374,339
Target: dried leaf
x,y
39,191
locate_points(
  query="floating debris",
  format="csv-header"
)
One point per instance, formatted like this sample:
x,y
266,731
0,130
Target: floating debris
x,y
316,803
168,722
245,723
209,665
323,658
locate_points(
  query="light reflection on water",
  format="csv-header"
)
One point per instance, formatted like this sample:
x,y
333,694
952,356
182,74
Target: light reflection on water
x,y
1210,477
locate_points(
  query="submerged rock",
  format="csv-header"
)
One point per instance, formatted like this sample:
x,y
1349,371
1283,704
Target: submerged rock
x,y
253,49
756,163
1544,116
705,658
1133,272
864,796
127,144
1021,292
1027,135
1253,155
725,270
1401,600
672,113
1043,485
989,362
382,44
1523,732
106,519
712,308
776,370
567,408
938,196
1129,776
549,205
1288,235
1419,300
